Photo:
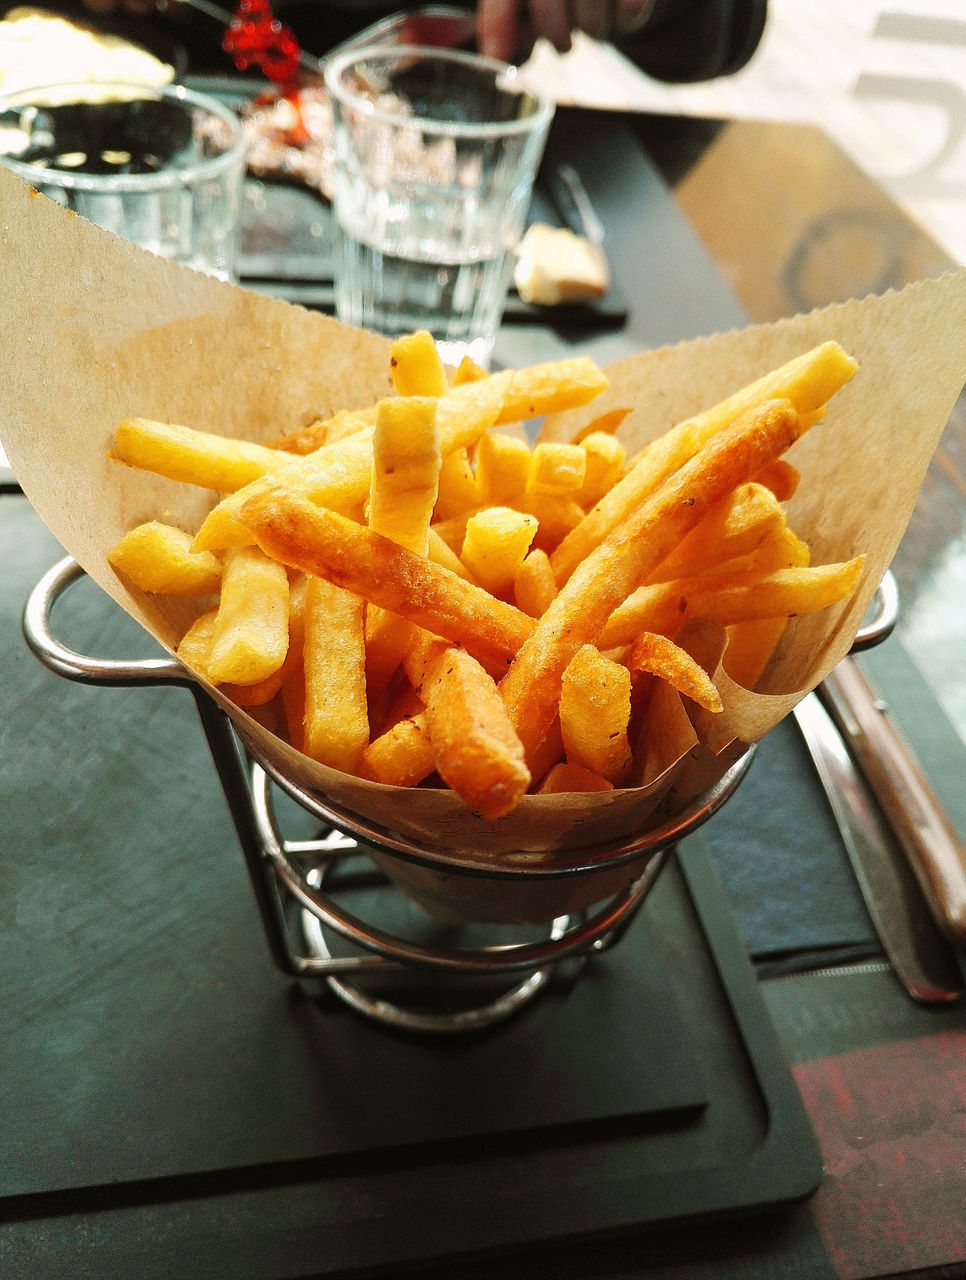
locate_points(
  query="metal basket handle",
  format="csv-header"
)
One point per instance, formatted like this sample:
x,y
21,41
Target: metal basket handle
x,y
78,666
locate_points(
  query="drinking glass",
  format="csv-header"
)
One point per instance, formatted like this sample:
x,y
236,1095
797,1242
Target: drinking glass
x,y
435,156
161,166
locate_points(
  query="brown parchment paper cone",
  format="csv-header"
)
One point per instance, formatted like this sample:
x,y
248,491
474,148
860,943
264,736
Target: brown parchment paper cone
x,y
95,330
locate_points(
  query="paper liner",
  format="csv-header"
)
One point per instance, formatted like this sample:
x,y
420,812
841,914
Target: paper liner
x,y
95,329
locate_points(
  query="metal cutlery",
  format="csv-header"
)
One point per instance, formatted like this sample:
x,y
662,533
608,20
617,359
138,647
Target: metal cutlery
x,y
920,826
920,955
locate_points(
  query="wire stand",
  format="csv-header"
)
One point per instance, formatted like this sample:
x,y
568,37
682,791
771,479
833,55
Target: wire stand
x,y
295,881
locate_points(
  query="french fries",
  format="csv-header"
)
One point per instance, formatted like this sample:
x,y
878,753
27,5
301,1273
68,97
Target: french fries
x,y
428,599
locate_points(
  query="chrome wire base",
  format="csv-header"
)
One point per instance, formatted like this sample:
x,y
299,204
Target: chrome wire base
x,y
349,951
409,1016
312,934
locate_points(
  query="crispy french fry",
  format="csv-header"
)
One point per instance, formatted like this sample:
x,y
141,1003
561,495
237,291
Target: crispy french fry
x,y
557,469
807,381
568,776
781,478
731,597
405,470
324,431
335,722
338,475
476,750
502,469
194,647
293,668
452,531
742,522
549,753
157,557
256,695
195,651
458,491
325,544
605,457
607,424
547,388
497,539
578,615
786,551
441,553
658,656
405,480
534,585
192,457
595,710
468,371
416,367
402,755
250,637
556,515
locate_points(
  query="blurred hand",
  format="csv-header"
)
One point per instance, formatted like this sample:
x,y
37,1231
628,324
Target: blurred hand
x,y
502,25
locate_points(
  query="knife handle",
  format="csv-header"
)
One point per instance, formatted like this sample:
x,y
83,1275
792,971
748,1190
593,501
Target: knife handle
x,y
935,852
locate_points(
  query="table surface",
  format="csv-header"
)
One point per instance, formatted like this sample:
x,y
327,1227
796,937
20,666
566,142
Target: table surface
x,y
775,220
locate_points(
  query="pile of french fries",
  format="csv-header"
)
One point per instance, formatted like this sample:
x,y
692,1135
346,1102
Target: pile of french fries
x,y
413,593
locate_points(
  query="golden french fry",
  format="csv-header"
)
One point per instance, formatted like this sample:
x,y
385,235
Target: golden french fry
x,y
194,647
578,615
572,777
441,553
336,475
192,457
595,710
731,597
547,388
781,478
335,722
458,492
476,750
250,637
742,522
786,551
293,668
416,367
468,371
405,479
556,469
324,431
502,469
497,539
256,695
195,651
605,457
658,656
405,470
807,382
320,542
158,558
606,424
402,755
556,515
534,585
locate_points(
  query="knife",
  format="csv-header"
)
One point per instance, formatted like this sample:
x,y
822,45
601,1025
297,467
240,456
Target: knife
x,y
921,956
924,832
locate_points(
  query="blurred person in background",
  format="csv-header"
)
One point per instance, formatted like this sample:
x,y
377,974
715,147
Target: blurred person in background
x,y
671,40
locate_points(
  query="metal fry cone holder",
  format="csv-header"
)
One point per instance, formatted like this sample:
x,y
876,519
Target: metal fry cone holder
x,y
294,880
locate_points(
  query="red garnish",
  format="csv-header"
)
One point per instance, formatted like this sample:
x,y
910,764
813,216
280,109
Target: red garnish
x,y
257,38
